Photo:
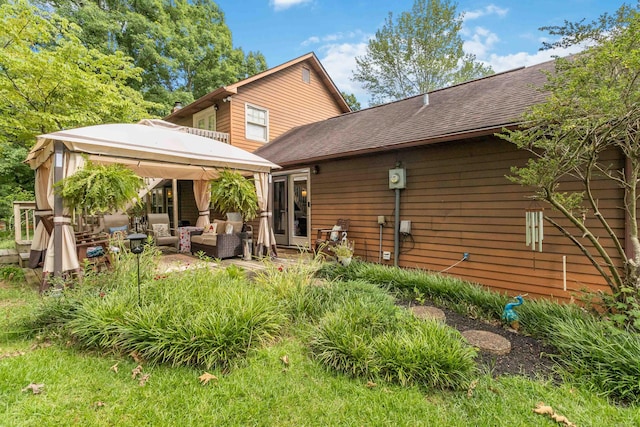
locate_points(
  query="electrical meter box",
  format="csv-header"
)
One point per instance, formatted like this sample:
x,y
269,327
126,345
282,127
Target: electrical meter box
x,y
397,178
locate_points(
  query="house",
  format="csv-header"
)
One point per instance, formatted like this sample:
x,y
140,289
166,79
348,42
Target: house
x,y
252,112
434,160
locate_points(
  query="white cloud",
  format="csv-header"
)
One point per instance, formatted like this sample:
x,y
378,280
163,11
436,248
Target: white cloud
x,y
480,42
339,59
491,9
508,62
286,4
311,40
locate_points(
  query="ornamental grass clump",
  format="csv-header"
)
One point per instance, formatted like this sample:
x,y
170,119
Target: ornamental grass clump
x,y
366,335
422,352
198,317
604,358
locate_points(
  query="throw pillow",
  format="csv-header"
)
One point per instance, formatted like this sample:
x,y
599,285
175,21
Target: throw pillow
x,y
123,228
229,228
161,230
237,226
210,229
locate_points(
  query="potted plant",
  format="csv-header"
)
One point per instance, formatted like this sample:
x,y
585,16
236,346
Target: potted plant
x,y
96,189
232,192
343,252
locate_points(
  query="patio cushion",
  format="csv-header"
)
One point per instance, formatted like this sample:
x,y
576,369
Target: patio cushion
x,y
205,239
161,230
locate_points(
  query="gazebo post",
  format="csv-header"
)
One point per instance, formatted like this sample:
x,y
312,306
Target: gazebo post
x,y
58,174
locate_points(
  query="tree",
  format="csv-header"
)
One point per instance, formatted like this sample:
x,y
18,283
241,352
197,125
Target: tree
x,y
419,52
184,47
351,101
593,108
50,81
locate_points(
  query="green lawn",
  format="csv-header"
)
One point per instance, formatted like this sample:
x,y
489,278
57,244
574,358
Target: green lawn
x,y
81,388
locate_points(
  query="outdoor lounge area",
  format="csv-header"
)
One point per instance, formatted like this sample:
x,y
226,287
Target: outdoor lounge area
x,y
163,151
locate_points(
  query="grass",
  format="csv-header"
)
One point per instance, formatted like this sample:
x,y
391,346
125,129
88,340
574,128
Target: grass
x,y
260,389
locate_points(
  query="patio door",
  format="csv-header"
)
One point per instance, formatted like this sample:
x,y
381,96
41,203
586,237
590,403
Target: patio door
x,y
291,209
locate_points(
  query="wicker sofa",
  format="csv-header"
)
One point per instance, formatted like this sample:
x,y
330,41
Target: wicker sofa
x,y
219,244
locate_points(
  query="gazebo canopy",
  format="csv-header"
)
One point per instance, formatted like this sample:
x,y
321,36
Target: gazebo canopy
x,y
155,151
152,149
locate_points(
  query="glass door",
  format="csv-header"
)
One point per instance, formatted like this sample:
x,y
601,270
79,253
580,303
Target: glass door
x,y
291,209
299,206
280,218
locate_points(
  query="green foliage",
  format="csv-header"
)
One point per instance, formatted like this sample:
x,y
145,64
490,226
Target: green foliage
x,y
424,352
351,100
184,48
100,188
198,317
592,108
50,81
232,192
606,359
374,338
12,273
419,52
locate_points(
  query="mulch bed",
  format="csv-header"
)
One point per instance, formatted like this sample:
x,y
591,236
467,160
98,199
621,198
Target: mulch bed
x,y
528,356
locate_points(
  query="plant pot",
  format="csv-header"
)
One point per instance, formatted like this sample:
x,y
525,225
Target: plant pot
x,y
234,216
345,261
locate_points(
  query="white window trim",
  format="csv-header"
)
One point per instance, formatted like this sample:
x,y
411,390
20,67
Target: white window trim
x,y
204,115
306,71
246,122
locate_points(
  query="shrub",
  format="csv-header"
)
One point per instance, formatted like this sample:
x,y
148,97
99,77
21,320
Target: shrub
x,y
424,352
197,317
606,359
368,336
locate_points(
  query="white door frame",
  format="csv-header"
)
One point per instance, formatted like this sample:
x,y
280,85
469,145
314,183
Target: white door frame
x,y
289,238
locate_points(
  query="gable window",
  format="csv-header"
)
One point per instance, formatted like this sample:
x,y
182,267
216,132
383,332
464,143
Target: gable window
x,y
306,75
205,119
257,123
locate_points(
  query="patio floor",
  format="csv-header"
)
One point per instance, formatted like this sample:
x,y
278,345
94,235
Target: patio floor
x,y
182,261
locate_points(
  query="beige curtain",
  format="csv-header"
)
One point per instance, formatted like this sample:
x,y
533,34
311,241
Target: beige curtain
x,y
202,193
72,162
266,244
43,209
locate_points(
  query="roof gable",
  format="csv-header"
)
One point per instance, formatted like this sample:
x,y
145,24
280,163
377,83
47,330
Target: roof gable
x,y
221,92
481,106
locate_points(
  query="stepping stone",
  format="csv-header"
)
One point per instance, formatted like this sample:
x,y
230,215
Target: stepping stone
x,y
428,313
488,342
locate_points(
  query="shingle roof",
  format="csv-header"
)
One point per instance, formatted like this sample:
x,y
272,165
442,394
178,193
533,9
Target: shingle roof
x,y
481,106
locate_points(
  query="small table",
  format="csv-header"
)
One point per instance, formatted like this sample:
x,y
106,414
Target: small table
x,y
184,236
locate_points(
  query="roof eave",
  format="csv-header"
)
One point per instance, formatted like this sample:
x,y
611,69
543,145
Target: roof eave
x,y
475,133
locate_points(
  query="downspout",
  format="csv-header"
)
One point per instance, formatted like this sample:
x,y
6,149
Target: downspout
x,y
396,230
58,208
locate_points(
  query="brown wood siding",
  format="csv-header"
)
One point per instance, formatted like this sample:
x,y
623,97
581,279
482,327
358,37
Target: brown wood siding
x,y
289,100
459,200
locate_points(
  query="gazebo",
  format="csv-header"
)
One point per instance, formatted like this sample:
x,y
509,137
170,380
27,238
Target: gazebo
x,y
152,149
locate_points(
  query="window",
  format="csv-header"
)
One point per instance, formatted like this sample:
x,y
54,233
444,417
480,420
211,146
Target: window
x,y
205,119
306,75
257,128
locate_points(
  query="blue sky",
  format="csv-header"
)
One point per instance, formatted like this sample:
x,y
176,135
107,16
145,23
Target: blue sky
x,y
502,33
